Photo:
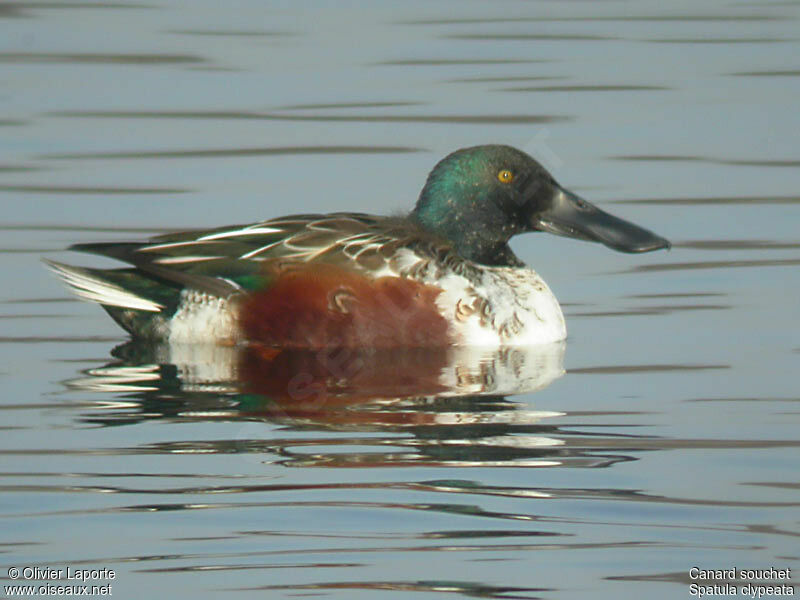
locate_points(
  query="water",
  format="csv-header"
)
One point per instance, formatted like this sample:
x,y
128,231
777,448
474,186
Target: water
x,y
669,443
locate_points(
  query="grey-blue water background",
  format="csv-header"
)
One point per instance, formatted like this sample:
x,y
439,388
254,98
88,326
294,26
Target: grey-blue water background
x,y
671,442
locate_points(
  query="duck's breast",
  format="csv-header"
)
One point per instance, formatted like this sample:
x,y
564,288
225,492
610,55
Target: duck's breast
x,y
503,306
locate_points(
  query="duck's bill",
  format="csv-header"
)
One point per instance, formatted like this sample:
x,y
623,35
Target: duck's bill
x,y
571,216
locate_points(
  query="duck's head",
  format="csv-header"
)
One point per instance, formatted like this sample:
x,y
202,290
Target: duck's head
x,y
479,197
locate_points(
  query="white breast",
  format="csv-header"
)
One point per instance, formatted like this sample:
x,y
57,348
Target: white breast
x,y
506,307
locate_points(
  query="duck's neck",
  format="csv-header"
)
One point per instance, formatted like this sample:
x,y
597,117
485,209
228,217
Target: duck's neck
x,y
472,244
504,257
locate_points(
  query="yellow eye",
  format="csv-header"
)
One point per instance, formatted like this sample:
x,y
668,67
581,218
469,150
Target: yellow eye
x,y
505,176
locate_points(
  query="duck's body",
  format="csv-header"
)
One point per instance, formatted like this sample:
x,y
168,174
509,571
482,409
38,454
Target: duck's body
x,y
442,276
318,280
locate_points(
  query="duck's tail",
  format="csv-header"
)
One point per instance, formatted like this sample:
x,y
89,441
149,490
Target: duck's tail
x,y
122,288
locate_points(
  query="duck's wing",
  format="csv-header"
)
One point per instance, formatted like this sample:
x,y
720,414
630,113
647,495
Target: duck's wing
x,y
255,241
224,260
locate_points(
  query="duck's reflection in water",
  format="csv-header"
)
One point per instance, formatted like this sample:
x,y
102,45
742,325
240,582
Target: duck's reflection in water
x,y
434,406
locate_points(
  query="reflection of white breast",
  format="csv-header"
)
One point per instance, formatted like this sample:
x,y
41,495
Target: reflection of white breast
x,y
505,307
503,371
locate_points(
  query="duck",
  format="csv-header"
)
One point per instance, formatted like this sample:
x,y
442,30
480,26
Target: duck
x,y
443,275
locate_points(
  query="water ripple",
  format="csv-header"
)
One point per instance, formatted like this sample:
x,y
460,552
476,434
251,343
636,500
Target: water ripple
x,y
712,200
496,119
93,59
714,264
226,152
83,190
716,161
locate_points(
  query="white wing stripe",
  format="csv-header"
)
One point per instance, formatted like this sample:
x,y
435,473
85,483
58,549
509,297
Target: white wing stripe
x,y
166,246
258,251
237,233
178,260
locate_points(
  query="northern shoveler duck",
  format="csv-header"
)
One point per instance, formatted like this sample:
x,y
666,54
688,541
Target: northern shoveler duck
x,y
442,275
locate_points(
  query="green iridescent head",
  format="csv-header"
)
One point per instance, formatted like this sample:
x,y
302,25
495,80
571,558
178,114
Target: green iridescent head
x,y
478,198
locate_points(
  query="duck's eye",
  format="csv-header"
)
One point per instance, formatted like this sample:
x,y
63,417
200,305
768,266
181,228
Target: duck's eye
x,y
505,176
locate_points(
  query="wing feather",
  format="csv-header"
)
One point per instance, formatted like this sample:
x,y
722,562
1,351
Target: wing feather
x,y
223,260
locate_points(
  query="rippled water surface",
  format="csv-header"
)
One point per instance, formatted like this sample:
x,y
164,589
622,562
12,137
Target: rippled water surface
x,y
662,436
